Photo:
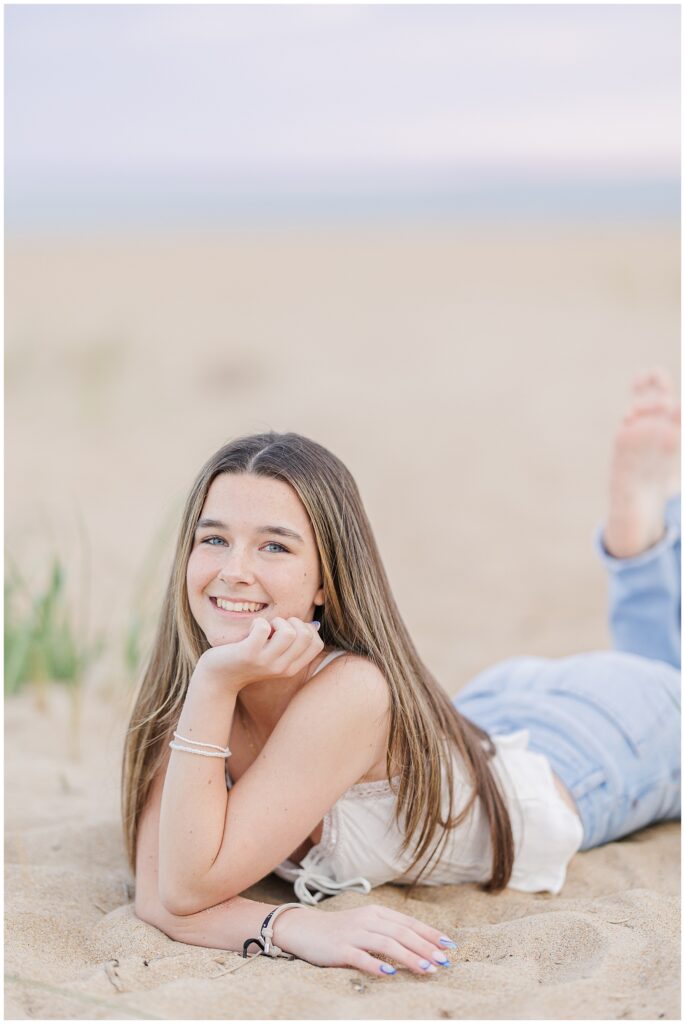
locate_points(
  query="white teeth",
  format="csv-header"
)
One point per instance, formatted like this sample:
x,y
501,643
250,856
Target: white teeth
x,y
238,606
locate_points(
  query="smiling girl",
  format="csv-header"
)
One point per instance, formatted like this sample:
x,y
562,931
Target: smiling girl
x,y
286,723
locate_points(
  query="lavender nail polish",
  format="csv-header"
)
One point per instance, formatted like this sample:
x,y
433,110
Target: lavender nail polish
x,y
444,941
387,969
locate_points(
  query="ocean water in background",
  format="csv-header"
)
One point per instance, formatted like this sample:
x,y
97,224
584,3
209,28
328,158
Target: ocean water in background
x,y
169,201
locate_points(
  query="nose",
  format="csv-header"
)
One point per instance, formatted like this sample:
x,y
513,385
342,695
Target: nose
x,y
236,568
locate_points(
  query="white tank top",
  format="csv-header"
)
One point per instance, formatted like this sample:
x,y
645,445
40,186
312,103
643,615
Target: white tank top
x,y
360,841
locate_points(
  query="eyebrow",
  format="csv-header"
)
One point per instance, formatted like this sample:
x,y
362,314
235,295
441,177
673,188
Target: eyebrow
x,y
280,531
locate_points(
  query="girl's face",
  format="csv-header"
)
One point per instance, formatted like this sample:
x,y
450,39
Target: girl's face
x,y
254,545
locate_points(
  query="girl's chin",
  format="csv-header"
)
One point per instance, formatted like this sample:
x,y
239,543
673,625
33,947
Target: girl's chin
x,y
232,632
233,635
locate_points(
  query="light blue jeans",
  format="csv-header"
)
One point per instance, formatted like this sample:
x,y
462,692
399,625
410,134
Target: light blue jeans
x,y
609,721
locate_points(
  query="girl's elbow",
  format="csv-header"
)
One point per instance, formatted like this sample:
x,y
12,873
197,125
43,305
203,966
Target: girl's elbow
x,y
174,889
179,901
182,900
151,909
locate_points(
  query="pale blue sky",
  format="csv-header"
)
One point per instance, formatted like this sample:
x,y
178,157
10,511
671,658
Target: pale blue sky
x,y
255,95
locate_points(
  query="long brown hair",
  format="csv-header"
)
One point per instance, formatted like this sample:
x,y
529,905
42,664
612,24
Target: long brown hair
x,y
359,615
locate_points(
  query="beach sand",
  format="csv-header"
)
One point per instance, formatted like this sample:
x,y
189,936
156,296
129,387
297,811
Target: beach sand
x,y
471,381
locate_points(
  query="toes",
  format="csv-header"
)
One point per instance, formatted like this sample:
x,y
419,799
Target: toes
x,y
652,396
650,404
661,380
656,403
654,381
640,381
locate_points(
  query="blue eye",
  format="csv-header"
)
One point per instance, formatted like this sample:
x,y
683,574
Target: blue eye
x,y
214,541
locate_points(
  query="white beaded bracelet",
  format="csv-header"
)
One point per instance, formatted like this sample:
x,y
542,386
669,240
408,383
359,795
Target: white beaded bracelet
x,y
185,739
203,753
220,751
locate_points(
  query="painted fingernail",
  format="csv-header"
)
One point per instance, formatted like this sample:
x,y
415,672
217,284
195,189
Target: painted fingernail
x,y
427,966
442,960
316,625
447,942
387,969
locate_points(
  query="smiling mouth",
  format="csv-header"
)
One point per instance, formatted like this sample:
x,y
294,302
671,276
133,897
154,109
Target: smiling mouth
x,y
237,607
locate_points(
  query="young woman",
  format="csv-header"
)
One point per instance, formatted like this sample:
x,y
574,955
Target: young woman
x,y
286,723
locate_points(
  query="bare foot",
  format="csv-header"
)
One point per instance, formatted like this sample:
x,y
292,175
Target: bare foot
x,y
644,467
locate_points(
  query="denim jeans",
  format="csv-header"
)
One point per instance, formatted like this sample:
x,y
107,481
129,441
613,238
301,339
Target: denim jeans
x,y
608,721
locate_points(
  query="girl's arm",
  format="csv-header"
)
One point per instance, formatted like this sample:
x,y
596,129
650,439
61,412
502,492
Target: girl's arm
x,y
344,938
334,939
195,798
214,845
225,926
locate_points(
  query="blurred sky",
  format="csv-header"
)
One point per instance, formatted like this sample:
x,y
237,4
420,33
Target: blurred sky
x,y
205,108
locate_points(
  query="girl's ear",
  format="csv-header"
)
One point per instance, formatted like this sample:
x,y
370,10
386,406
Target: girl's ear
x,y
318,597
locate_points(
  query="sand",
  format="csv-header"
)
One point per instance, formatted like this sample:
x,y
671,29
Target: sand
x,y
470,380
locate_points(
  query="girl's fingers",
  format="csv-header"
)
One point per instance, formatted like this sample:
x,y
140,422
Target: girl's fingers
x,y
425,931
365,962
305,640
396,951
282,639
301,638
260,632
313,648
405,945
303,629
425,949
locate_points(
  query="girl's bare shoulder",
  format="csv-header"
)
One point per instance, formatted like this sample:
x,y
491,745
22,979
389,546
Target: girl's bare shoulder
x,y
355,675
351,680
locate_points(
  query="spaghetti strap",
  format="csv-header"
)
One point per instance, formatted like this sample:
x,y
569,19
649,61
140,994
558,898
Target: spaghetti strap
x,y
329,657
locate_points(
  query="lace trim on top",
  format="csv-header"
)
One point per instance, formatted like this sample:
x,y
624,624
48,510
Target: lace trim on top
x,y
367,790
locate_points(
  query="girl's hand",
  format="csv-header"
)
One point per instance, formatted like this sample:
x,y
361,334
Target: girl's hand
x,y
348,938
265,653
